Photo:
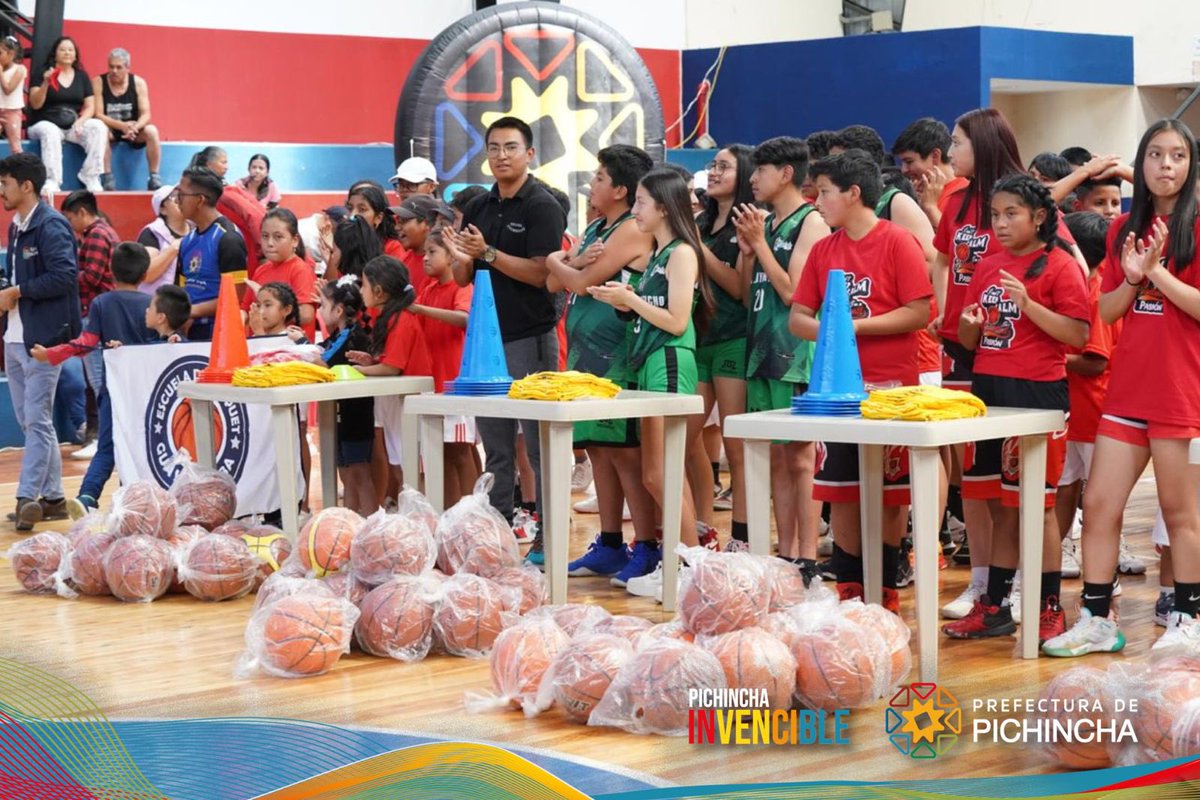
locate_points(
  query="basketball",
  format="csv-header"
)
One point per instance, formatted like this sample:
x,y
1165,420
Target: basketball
x,y
324,543
139,568
754,659
217,567
628,627
582,672
92,522
1072,686
669,630
40,562
87,562
469,615
1164,693
270,546
142,508
896,635
531,582
521,656
1186,732
726,592
234,527
397,619
838,664
179,539
183,431
573,617
650,693
388,545
415,507
206,497
344,584
305,634
280,585
785,585
473,537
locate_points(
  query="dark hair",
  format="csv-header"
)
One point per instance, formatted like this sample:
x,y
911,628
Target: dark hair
x,y
286,296
81,200
560,197
49,62
377,200
784,151
24,166
1034,195
291,223
206,182
1052,165
390,275
1085,188
852,168
669,190
923,137
511,123
743,157
361,182
1181,235
819,142
466,195
996,156
893,178
203,157
1077,156
174,304
625,165
265,186
11,44
865,138
357,243
347,295
1090,232
129,263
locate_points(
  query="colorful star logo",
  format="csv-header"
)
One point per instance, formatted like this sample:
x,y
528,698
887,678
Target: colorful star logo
x,y
923,720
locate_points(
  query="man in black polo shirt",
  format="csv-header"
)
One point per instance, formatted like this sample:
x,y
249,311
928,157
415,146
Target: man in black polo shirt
x,y
510,231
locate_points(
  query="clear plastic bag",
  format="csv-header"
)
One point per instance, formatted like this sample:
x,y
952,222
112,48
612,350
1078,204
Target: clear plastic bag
x,y
754,659
473,537
722,592
142,508
1162,688
1078,684
139,568
519,660
572,617
784,583
206,496
415,507
270,547
628,627
471,613
324,543
1185,733
896,635
216,567
840,663
297,636
580,674
397,618
389,545
89,545
42,564
532,583
282,585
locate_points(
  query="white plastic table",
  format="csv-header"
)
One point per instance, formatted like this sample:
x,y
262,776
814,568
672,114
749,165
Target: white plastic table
x,y
923,440
555,431
285,426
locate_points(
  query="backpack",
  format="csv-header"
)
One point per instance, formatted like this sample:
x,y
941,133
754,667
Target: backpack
x,y
243,209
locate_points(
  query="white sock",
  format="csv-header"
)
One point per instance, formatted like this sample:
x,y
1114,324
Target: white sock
x,y
979,576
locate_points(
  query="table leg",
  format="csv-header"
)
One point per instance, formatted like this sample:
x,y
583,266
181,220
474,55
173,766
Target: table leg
x,y
202,411
758,495
674,447
556,442
924,463
410,447
431,437
870,477
327,439
1033,509
286,430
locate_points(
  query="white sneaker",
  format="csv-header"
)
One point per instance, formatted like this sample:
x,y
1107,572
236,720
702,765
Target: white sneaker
x,y
684,572
1014,598
961,606
581,476
1070,564
1088,635
86,453
589,505
1117,586
737,546
92,184
524,526
723,500
1182,636
1127,562
957,529
649,585
1077,525
825,540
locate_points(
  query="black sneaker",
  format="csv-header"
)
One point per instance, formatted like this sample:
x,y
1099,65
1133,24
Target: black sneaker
x,y
1163,607
904,567
963,554
825,568
155,183
984,621
108,182
809,569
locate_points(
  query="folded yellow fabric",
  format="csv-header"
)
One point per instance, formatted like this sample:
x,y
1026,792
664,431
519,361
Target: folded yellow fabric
x,y
922,404
290,373
562,386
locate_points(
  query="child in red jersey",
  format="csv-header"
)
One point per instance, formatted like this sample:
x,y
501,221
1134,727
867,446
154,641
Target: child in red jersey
x,y
1024,307
890,291
285,254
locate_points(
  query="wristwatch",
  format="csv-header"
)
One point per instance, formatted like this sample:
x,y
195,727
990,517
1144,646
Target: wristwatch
x,y
489,254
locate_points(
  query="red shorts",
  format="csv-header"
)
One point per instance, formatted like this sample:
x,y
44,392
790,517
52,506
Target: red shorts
x,y
1139,432
837,475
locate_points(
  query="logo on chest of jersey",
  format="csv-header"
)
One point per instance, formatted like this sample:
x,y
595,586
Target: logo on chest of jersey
x,y
1149,298
860,291
783,245
193,264
1000,316
969,247
516,227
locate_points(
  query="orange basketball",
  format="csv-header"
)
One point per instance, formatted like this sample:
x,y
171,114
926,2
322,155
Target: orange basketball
x,y
206,497
582,673
784,583
280,585
896,635
837,664
143,508
469,615
397,619
388,545
754,659
628,627
415,507
218,567
522,655
324,543
179,540
650,693
344,584
92,522
726,592
1186,732
270,546
530,581
87,562
40,562
305,634
574,617
1070,687
139,568
781,625
233,527
473,537
669,630
183,431
1165,691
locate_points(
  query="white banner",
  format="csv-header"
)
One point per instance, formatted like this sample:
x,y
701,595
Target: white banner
x,y
151,421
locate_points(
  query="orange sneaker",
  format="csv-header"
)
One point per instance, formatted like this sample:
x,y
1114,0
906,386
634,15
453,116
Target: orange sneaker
x,y
850,591
1052,621
891,600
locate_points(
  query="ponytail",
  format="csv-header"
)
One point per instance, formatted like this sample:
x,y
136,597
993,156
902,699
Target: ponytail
x,y
390,276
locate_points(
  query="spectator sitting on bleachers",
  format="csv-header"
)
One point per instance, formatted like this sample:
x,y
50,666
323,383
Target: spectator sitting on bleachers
x,y
236,204
213,158
12,91
124,107
162,238
64,108
259,183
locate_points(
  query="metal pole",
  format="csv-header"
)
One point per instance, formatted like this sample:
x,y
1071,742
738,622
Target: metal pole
x,y
1191,98
47,26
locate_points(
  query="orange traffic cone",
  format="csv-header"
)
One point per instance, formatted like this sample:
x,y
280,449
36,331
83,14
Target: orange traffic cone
x,y
229,350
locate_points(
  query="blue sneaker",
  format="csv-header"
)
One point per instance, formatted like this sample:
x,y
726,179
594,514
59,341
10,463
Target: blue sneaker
x,y
599,559
642,561
536,555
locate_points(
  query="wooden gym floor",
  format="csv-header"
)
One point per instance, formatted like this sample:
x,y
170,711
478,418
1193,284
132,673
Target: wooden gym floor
x,y
174,659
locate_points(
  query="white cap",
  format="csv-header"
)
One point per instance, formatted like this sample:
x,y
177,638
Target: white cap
x,y
160,194
415,170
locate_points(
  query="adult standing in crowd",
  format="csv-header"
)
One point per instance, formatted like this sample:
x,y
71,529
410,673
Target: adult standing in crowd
x,y
125,110
214,248
64,108
41,300
415,175
162,238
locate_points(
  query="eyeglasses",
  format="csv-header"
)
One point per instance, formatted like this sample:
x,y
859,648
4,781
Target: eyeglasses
x,y
509,149
719,167
175,195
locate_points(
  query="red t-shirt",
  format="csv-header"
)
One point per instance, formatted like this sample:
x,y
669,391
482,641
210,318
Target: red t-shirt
x,y
1155,374
953,185
929,349
296,273
415,261
444,341
884,270
405,347
1087,392
1011,345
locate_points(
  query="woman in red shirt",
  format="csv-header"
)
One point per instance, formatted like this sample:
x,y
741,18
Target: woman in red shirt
x,y
366,199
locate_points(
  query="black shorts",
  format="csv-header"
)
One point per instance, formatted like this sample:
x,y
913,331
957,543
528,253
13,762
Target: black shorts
x,y
837,479
352,452
962,366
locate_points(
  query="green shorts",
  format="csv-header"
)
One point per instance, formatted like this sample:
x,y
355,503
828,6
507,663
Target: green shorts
x,y
606,433
768,394
668,369
721,360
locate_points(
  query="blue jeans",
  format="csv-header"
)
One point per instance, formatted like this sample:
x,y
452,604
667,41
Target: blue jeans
x,y
32,386
101,467
70,402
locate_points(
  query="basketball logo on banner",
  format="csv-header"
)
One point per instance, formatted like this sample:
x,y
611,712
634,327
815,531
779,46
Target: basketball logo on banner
x,y
576,81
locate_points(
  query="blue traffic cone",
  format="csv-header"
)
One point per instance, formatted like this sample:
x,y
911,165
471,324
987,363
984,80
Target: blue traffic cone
x,y
836,382
483,361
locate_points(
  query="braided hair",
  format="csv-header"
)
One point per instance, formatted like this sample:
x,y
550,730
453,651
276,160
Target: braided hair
x,y
344,292
1034,196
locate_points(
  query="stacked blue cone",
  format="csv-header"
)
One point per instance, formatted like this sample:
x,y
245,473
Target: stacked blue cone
x,y
484,369
835,387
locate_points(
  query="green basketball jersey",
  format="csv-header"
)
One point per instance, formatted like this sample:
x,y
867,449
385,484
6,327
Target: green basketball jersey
x,y
655,289
772,351
729,314
595,334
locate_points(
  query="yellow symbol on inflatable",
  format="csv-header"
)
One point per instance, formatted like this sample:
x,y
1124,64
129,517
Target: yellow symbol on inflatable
x,y
618,74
